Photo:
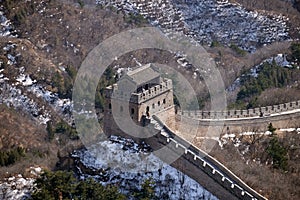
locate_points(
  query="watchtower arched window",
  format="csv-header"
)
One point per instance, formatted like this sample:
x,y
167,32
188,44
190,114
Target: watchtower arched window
x,y
109,106
132,111
164,101
158,103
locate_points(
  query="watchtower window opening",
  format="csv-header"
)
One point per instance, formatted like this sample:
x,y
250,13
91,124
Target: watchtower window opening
x,y
164,101
132,111
109,106
158,103
147,111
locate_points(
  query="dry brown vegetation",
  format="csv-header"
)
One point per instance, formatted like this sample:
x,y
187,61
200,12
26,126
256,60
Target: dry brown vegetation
x,y
18,130
276,96
254,166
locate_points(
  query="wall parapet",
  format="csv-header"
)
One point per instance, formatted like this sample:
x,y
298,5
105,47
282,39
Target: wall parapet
x,y
255,112
209,165
145,95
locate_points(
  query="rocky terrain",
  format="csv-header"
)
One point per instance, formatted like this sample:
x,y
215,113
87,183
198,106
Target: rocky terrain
x,y
211,21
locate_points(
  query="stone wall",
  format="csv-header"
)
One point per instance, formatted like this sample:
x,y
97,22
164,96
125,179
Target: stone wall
x,y
192,156
250,113
155,91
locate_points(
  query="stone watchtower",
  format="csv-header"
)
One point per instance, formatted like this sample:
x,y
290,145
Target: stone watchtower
x,y
137,96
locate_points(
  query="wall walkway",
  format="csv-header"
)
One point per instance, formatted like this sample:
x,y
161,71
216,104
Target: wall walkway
x,y
194,162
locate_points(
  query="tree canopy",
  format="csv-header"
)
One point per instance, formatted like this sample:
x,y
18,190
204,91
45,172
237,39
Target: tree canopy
x,y
63,185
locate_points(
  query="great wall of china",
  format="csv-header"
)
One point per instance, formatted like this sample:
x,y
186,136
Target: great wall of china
x,y
194,162
205,169
268,111
281,116
200,166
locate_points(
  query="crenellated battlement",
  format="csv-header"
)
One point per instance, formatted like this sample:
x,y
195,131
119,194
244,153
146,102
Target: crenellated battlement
x,y
250,113
145,95
152,92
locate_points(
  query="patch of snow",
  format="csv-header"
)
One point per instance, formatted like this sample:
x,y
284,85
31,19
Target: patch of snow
x,y
245,150
16,188
9,46
35,171
6,28
25,80
209,20
129,166
2,77
228,136
63,106
290,130
13,97
287,129
11,60
62,68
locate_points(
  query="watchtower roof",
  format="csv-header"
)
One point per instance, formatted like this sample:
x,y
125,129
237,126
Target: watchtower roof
x,y
143,74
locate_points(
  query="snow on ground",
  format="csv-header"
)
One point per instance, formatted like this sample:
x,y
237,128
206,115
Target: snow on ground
x,y
290,130
15,96
229,138
210,20
125,163
229,23
12,96
2,77
6,28
249,133
60,105
25,80
16,188
235,140
18,91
